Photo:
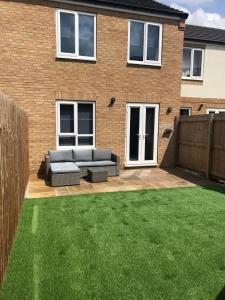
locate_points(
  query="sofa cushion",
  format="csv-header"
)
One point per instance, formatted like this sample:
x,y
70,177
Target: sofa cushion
x,y
64,167
102,154
60,156
102,163
82,155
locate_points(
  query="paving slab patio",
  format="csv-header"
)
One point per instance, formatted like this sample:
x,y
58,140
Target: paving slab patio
x,y
129,180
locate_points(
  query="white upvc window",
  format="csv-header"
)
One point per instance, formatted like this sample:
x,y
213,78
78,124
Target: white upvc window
x,y
193,63
144,43
76,35
75,124
215,110
185,111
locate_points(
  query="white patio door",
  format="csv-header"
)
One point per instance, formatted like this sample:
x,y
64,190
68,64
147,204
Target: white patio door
x,y
142,134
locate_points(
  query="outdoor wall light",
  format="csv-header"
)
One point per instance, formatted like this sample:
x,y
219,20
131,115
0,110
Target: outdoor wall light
x,y
200,107
167,132
112,101
169,110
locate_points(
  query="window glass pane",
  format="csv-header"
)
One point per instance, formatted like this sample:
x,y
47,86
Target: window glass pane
x,y
66,118
86,35
67,141
149,138
197,68
187,62
136,41
153,43
185,112
67,32
85,118
134,133
85,141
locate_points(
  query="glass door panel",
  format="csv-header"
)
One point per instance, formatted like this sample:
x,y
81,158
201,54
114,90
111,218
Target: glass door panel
x,y
134,133
149,133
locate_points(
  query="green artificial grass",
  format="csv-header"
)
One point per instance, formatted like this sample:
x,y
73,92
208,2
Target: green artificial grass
x,y
158,244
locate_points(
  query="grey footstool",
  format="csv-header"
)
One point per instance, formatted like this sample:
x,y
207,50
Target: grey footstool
x,y
64,173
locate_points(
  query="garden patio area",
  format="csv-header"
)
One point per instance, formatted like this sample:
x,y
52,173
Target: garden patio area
x,y
147,244
129,180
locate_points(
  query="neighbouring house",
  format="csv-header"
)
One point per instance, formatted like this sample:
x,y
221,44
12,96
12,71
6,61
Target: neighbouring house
x,y
203,77
108,74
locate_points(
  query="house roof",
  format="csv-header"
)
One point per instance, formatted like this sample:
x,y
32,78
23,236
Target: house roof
x,y
204,34
148,6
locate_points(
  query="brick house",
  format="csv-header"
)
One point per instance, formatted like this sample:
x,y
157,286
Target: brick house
x,y
102,73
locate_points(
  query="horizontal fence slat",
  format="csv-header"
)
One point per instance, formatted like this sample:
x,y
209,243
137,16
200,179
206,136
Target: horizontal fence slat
x,y
199,145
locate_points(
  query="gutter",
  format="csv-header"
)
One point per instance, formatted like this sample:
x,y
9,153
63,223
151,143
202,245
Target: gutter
x,y
128,9
202,41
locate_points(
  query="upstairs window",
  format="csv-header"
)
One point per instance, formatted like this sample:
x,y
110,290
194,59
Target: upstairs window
x,y
193,63
75,124
144,43
76,35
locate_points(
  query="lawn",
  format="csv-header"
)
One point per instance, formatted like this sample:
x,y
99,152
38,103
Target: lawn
x,y
158,244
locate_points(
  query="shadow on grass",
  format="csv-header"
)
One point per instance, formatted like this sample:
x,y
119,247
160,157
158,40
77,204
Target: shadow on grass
x,y
221,295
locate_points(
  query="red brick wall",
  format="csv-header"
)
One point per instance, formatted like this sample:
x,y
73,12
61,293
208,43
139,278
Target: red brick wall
x,y
33,77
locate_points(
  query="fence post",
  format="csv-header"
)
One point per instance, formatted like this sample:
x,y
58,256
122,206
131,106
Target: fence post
x,y
209,145
176,141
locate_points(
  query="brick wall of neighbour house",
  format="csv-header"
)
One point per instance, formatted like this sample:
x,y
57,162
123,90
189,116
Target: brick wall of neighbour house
x,y
194,104
34,78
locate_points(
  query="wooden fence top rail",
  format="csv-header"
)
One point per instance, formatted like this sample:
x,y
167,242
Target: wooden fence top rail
x,y
200,118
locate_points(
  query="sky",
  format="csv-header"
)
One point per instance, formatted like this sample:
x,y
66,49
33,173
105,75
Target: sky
x,y
210,13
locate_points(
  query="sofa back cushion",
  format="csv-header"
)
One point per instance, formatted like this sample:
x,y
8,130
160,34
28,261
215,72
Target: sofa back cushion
x,y
82,155
102,154
60,155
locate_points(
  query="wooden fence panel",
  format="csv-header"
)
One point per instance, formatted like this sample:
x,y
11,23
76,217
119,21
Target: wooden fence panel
x,y
201,144
218,147
14,172
193,143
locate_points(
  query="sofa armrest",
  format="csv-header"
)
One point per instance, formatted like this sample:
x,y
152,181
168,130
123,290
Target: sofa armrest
x,y
47,165
116,159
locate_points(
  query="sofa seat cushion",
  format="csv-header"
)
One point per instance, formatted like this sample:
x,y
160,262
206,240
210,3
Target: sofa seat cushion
x,y
64,167
102,163
102,154
60,155
82,155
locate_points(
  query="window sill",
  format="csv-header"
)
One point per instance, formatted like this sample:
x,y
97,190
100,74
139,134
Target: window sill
x,y
192,78
150,64
76,58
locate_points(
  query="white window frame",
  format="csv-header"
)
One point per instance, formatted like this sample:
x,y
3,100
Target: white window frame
x,y
58,36
75,134
145,61
192,77
216,110
187,108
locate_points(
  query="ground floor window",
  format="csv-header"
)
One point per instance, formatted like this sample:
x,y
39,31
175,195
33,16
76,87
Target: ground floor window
x,y
215,110
185,111
75,124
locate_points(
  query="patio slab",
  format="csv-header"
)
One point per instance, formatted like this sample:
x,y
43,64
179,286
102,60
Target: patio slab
x,y
129,180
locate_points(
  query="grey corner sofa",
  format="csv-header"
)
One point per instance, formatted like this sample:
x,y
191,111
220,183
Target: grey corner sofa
x,y
65,167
